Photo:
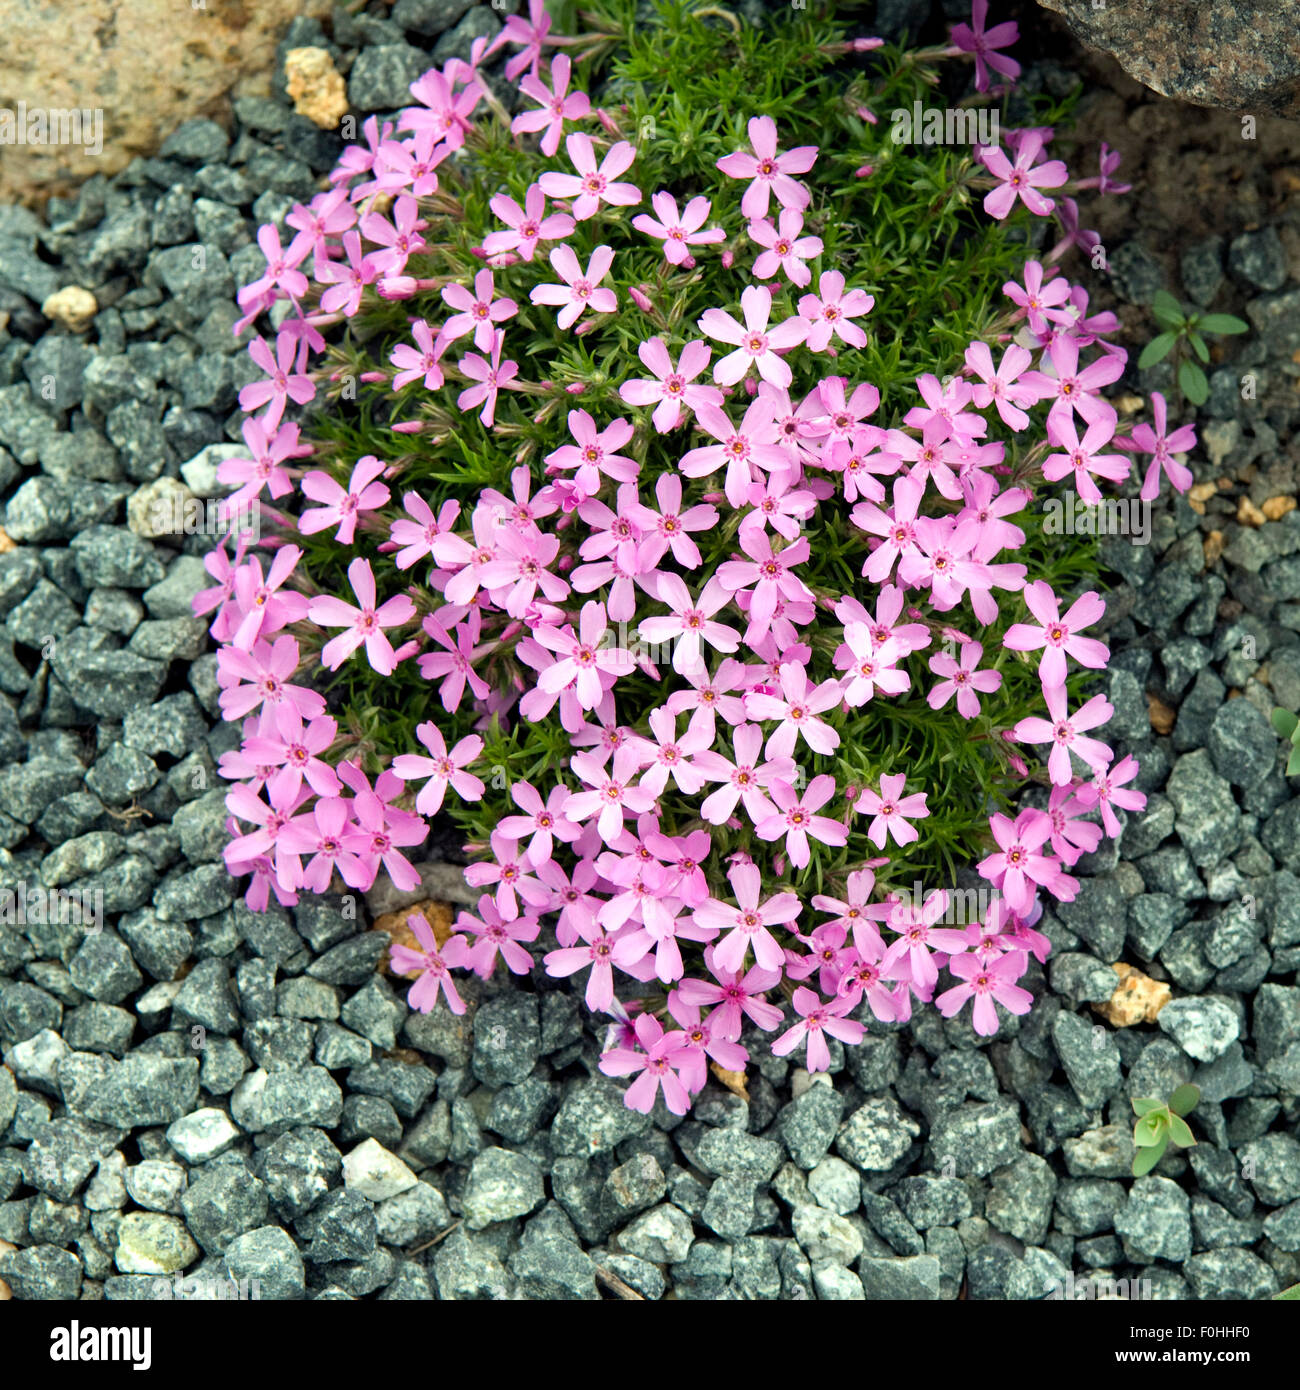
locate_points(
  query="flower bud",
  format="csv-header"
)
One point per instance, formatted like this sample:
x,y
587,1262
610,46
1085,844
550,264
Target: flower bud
x,y
640,299
396,286
728,260
407,427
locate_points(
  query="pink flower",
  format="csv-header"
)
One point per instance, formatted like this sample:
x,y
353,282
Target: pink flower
x,y
280,267
769,169
1022,179
400,238
250,679
423,362
283,384
584,657
527,225
268,448
346,279
734,996
962,680
983,43
442,768
754,443
596,953
580,290
985,981
747,924
870,668
478,311
999,384
454,666
667,529
756,345
665,1054
891,811
543,821
1075,389
593,185
594,452
1082,459
786,251
1162,448
704,1044
850,912
434,963
830,310
343,506
610,794
667,755
416,536
678,230
497,936
387,828
365,624
1056,635
691,622
490,376
556,106
795,819
1107,790
284,743
1065,733
1016,864
333,840
512,874
744,779
818,1018
770,572
672,388
797,707
264,609
531,33
1041,301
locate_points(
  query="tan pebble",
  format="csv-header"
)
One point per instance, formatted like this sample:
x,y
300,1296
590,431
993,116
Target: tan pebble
x,y
7,543
315,86
73,307
1162,717
1137,998
1202,492
1248,514
1277,507
1213,546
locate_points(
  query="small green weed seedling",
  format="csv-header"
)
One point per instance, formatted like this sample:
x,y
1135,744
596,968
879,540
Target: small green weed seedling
x,y
1178,334
1288,726
1158,1123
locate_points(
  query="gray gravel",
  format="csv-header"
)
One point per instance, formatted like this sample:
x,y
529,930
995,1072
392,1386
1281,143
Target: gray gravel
x,y
239,1096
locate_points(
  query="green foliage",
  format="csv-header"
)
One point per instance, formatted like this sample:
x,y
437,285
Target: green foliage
x,y
1161,1123
1180,332
1288,726
912,234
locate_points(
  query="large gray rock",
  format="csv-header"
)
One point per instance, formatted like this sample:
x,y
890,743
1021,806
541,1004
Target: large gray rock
x,y
1240,55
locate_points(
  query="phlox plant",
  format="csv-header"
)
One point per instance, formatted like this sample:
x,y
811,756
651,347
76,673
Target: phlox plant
x,y
667,518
